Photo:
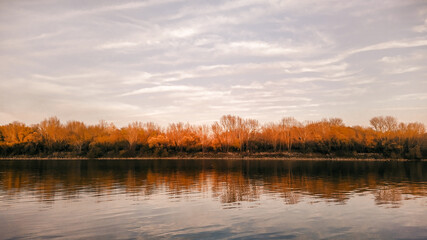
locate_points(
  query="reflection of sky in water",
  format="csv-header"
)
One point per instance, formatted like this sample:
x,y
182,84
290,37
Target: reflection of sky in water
x,y
144,201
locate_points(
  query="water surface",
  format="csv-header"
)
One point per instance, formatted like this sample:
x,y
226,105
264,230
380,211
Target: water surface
x,y
212,199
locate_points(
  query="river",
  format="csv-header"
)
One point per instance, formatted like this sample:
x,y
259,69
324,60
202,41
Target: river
x,y
212,199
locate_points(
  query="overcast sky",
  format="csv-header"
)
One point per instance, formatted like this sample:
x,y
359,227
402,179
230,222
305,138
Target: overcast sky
x,y
194,61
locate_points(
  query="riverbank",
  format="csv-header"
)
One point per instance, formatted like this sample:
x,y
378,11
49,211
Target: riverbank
x,y
232,159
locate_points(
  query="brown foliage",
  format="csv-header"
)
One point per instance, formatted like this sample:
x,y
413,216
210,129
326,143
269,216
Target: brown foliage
x,y
230,133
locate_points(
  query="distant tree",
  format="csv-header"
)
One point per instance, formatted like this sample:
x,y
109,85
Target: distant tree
x,y
387,136
77,134
16,132
384,124
132,133
204,136
52,130
217,131
287,124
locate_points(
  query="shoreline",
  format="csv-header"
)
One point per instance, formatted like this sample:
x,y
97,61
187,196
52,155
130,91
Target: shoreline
x,y
221,158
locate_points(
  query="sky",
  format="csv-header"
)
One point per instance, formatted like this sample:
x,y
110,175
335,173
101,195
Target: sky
x,y
194,61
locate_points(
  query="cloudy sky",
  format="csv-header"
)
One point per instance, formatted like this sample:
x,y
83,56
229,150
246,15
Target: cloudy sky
x,y
194,61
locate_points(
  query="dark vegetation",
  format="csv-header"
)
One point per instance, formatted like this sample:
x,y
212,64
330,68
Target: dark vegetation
x,y
230,137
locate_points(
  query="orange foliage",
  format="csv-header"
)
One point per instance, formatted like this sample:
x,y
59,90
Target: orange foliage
x,y
230,133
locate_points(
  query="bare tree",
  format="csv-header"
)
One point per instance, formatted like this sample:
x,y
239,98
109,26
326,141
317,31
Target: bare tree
x,y
286,125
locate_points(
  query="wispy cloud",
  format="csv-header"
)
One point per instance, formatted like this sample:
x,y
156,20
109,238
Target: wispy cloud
x,y
412,96
162,89
421,28
73,76
253,85
408,43
174,60
257,48
115,45
404,70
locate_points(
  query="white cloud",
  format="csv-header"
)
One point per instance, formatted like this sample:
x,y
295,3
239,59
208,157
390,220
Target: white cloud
x,y
411,96
180,61
392,59
408,43
105,9
115,45
162,89
72,76
183,32
259,48
253,85
401,70
142,77
403,109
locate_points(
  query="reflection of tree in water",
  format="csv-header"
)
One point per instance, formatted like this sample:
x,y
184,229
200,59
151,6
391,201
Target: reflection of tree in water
x,y
234,187
226,180
388,195
291,197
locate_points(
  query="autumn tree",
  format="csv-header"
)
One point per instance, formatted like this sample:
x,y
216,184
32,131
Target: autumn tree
x,y
384,124
181,135
387,137
204,134
252,126
17,132
158,141
229,126
217,138
53,133
77,134
132,133
287,126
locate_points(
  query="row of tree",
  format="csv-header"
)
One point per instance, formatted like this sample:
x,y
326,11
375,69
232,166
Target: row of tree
x,y
386,137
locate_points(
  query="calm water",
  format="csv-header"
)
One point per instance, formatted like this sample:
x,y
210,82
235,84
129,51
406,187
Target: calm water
x,y
212,199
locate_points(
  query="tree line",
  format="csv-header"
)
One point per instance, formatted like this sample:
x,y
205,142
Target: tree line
x,y
386,137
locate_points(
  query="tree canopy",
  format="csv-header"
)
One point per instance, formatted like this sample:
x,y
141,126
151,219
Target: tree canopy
x,y
385,137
